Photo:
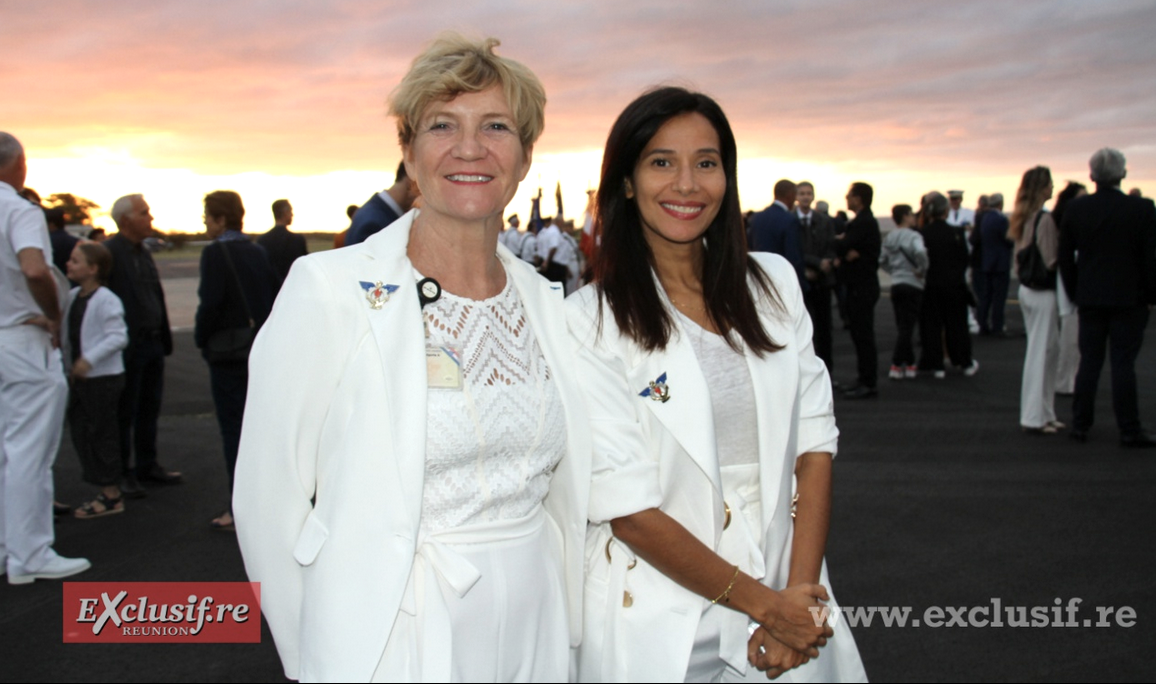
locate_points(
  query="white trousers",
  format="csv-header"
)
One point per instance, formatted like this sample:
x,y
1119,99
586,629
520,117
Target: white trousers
x,y
33,395
485,603
1038,389
1069,361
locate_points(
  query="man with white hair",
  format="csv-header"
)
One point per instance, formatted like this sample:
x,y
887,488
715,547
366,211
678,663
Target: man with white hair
x,y
136,281
1107,259
32,387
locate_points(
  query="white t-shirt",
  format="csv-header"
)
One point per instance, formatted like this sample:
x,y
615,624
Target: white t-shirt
x,y
22,225
549,238
960,217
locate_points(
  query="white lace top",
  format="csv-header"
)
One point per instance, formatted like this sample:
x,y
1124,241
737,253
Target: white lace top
x,y
492,445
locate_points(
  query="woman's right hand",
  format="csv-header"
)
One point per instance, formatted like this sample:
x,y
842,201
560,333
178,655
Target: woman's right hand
x,y
770,656
800,619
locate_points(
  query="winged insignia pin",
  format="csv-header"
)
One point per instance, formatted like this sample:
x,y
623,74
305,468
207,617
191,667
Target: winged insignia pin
x,y
658,390
377,293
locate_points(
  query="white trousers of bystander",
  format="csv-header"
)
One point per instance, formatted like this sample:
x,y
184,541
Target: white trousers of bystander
x,y
1038,389
33,395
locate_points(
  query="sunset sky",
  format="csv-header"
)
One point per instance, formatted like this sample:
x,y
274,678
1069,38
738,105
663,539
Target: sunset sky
x,y
287,99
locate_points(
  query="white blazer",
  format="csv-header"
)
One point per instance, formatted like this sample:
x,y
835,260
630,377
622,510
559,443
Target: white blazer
x,y
103,333
652,454
332,459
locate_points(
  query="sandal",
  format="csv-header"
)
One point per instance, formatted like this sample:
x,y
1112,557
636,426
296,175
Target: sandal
x,y
218,523
106,506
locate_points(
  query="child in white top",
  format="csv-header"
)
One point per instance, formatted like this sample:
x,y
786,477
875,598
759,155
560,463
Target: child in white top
x,y
93,336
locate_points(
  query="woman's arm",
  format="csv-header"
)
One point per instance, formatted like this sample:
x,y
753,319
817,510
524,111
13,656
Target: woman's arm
x,y
812,517
664,543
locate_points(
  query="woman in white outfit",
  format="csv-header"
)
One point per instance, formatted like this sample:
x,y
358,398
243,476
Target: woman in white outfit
x,y
708,405
1030,223
1068,361
412,484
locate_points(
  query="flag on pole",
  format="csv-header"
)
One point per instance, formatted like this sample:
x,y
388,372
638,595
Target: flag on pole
x,y
587,243
536,213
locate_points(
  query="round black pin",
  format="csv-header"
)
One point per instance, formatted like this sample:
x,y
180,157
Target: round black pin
x,y
428,291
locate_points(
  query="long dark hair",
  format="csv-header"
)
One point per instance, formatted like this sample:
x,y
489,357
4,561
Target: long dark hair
x,y
1069,193
623,266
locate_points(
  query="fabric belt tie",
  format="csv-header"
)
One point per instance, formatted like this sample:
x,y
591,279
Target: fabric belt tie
x,y
439,568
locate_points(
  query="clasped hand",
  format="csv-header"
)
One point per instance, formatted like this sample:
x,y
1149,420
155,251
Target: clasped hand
x,y
795,634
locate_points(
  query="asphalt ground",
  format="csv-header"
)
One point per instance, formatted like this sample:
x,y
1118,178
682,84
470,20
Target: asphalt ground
x,y
940,501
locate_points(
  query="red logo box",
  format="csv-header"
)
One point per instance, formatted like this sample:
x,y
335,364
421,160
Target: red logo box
x,y
162,612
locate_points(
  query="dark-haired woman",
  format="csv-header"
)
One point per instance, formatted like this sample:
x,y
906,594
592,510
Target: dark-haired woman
x,y
1069,355
708,404
238,285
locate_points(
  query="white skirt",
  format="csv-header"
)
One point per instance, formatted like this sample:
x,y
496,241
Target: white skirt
x,y
484,603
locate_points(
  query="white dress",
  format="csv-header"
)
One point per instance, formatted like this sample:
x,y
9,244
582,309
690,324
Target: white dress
x,y
485,599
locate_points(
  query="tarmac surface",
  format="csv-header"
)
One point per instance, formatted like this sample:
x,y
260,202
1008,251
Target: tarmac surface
x,y
940,502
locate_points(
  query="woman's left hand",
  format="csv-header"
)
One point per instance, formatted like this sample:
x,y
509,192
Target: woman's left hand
x,y
771,656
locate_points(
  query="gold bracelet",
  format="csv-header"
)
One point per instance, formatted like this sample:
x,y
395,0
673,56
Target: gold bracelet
x,y
725,597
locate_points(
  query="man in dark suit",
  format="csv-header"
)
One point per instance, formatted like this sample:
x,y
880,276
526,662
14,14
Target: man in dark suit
x,y
1108,264
776,229
993,274
858,263
135,280
281,244
383,208
817,239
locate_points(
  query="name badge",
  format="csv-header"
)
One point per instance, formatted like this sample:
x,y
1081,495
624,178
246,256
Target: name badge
x,y
443,367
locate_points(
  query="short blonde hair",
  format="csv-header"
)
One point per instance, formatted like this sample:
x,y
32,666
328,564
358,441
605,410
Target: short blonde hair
x,y
454,64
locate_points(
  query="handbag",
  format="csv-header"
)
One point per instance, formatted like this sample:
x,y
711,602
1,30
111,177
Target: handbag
x,y
1030,267
232,344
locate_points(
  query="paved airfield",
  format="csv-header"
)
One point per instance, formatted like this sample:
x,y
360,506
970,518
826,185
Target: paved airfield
x,y
941,505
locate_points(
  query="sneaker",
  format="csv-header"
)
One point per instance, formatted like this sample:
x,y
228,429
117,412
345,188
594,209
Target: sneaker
x,y
939,375
896,373
972,369
911,373
57,567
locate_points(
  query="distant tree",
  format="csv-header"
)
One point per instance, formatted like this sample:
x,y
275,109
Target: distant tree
x,y
76,209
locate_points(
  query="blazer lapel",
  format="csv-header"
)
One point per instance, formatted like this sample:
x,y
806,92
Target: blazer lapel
x,y
399,334
686,413
775,378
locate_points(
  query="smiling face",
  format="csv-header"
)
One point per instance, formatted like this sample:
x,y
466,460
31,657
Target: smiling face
x,y
466,157
679,182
